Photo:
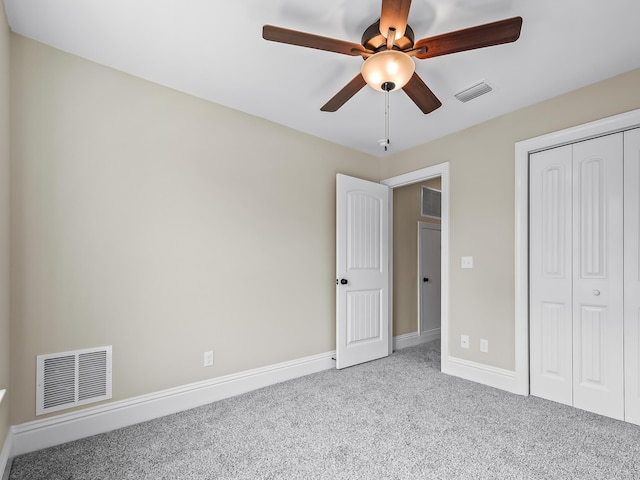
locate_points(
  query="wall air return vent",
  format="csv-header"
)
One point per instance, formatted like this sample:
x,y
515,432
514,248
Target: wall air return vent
x,y
431,202
473,92
70,379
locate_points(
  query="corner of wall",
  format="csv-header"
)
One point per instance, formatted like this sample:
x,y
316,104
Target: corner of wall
x,y
5,215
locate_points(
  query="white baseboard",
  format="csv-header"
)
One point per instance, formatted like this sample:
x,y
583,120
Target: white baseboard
x,y
476,372
5,457
39,434
414,338
480,373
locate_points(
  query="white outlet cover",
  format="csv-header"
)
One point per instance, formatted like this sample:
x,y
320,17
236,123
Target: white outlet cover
x,y
208,359
466,262
484,345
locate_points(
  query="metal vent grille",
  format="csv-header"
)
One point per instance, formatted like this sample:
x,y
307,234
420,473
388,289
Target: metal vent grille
x,y
473,92
59,381
69,379
92,375
431,202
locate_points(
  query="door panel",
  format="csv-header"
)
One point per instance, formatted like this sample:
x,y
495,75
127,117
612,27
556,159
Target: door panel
x,y
363,316
592,334
632,275
362,267
555,319
598,276
363,231
550,323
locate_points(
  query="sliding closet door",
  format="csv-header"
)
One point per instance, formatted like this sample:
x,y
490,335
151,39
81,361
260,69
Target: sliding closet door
x,y
632,275
598,379
550,323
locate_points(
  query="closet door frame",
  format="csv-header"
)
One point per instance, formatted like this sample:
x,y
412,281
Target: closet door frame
x,y
617,123
632,276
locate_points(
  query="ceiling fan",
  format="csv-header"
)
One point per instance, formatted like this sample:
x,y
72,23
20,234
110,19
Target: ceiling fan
x,y
387,47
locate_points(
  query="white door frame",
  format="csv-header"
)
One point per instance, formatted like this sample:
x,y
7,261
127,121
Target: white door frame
x,y
421,226
441,170
617,123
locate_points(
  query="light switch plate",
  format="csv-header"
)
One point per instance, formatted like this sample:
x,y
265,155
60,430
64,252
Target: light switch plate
x,y
466,262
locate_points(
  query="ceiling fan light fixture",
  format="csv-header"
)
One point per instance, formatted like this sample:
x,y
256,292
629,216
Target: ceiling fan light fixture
x,y
388,67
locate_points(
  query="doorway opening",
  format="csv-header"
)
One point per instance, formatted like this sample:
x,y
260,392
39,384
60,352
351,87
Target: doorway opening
x,y
405,298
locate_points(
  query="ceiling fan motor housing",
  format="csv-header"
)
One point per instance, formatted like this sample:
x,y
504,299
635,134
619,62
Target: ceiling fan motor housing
x,y
372,39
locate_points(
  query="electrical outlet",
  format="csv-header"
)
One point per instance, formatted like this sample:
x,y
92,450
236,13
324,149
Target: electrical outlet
x,y
484,345
464,341
466,262
208,359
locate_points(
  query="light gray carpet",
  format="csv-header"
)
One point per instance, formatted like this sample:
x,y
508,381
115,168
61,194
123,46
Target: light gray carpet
x,y
396,418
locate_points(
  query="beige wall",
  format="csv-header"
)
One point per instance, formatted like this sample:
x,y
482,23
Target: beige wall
x,y
163,225
406,215
482,206
5,153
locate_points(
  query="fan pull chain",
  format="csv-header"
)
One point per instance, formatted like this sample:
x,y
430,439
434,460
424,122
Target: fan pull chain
x,y
386,120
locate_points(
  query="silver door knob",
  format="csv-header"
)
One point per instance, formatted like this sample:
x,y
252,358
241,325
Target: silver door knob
x,y
596,292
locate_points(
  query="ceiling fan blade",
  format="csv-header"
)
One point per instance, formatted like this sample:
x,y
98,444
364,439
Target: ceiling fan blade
x,y
348,91
496,33
394,15
421,95
303,39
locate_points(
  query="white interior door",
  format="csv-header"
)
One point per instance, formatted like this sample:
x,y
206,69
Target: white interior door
x,y
632,275
598,334
362,271
550,270
429,278
576,275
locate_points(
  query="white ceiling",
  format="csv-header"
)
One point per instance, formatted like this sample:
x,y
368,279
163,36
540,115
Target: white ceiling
x,y
214,50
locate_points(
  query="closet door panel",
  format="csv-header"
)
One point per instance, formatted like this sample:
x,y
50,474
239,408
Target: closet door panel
x,y
551,275
598,276
632,274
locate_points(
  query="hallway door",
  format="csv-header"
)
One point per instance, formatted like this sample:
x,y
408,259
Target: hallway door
x,y
429,278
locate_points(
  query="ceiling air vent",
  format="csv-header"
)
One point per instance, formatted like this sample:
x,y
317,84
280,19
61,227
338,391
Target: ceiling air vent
x,y
69,379
473,92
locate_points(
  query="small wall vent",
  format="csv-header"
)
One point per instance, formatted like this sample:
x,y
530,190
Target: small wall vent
x,y
70,379
431,202
473,92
